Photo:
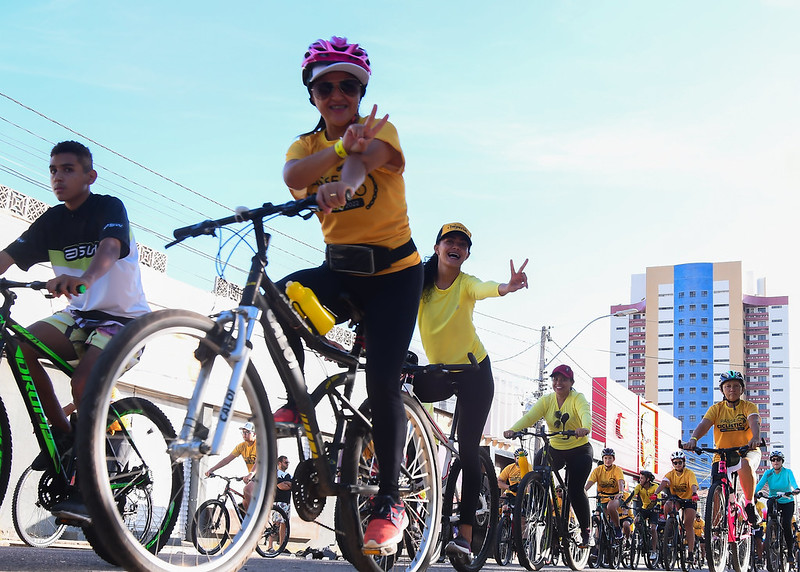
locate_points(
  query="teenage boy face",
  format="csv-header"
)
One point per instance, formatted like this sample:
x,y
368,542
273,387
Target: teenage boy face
x,y
69,180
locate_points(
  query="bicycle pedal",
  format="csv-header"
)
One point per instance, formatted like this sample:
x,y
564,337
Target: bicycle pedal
x,y
382,551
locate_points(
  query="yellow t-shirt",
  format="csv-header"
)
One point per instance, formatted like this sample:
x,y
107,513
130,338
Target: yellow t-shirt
x,y
445,320
731,428
680,485
510,474
377,213
607,480
699,526
579,416
644,494
624,512
248,453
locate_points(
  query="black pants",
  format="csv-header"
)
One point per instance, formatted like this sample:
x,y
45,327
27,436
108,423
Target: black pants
x,y
388,304
579,464
475,395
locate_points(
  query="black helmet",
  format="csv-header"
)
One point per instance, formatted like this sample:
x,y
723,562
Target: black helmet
x,y
609,451
777,455
731,375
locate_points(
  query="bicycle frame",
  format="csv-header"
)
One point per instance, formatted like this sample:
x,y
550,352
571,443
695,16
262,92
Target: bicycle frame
x,y
12,337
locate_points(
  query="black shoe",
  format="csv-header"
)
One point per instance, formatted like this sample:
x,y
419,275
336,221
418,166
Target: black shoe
x,y
72,510
752,515
584,539
63,445
459,548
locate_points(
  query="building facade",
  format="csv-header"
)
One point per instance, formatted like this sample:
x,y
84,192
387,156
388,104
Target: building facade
x,y
694,322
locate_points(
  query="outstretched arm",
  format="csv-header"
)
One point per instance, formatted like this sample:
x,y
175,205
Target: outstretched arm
x,y
518,280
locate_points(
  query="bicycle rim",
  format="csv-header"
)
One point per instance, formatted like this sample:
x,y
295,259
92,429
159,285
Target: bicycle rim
x,y
532,522
169,343
637,543
420,493
774,548
34,524
669,544
574,556
210,526
716,529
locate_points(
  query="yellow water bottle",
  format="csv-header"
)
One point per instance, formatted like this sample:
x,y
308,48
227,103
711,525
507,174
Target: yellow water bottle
x,y
524,465
308,305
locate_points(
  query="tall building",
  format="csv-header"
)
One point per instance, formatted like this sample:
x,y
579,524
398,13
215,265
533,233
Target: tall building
x,y
694,322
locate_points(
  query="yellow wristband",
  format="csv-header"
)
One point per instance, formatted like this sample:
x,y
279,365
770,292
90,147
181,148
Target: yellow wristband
x,y
339,148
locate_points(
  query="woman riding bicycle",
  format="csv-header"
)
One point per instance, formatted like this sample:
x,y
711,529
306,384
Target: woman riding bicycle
x,y
354,165
682,483
736,424
779,479
645,495
448,335
574,453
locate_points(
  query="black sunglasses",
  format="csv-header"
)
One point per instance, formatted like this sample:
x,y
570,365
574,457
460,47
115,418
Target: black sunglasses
x,y
558,420
324,89
677,462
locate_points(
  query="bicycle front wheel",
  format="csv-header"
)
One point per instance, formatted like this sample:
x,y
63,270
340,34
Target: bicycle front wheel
x,y
637,547
34,524
276,535
483,527
774,546
210,527
168,348
420,493
505,542
532,522
669,544
716,529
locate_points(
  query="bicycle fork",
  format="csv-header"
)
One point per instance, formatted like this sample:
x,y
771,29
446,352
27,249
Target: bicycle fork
x,y
188,445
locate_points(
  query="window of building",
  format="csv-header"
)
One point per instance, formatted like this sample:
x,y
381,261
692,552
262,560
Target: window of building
x,y
692,348
692,321
704,306
680,294
703,390
692,294
704,293
681,308
693,307
692,389
692,417
680,377
704,403
692,404
703,334
680,390
680,349
703,348
681,404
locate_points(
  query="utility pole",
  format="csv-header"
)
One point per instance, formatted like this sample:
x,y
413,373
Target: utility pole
x,y
545,337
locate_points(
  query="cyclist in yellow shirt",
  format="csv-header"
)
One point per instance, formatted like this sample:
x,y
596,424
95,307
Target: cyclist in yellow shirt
x,y
699,529
682,483
736,423
509,477
610,486
645,495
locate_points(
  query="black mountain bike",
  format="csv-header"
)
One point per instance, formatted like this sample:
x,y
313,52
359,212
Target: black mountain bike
x,y
134,488
607,552
775,547
207,362
673,542
642,540
539,524
211,524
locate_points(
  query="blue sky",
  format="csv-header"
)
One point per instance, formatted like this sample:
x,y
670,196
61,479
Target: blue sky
x,y
595,138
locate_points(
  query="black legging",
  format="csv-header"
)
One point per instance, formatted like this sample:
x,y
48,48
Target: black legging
x,y
579,464
787,512
388,304
475,395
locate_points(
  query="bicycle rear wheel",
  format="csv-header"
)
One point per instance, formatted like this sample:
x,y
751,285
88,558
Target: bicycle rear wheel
x,y
210,527
173,347
5,451
483,528
741,549
273,534
504,548
420,493
34,524
533,522
637,547
716,529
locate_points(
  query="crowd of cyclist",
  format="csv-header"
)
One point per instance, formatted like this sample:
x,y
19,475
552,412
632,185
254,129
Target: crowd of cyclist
x,y
736,424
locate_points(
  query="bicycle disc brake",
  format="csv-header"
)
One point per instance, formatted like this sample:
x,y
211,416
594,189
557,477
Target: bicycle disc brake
x,y
52,489
307,501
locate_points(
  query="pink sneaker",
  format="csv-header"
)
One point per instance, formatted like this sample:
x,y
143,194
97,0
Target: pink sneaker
x,y
286,414
385,528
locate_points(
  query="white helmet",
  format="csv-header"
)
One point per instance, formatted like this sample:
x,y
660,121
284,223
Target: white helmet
x,y
678,455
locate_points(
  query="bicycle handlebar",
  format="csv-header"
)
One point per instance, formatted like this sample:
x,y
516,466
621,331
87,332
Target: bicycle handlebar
x,y
209,227
765,495
413,368
543,434
6,284
223,477
721,451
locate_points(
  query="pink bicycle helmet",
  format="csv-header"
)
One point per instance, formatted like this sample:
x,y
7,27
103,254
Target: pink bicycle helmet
x,y
324,56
